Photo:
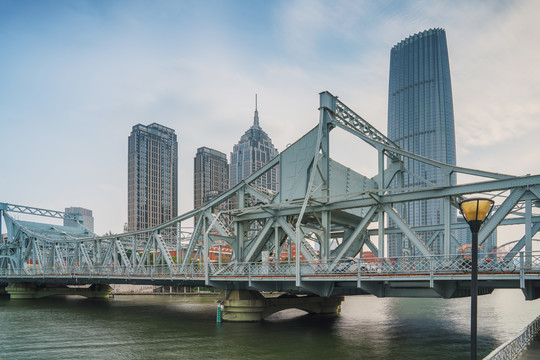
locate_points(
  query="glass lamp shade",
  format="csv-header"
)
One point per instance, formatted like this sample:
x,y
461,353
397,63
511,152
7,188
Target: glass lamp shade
x,y
475,211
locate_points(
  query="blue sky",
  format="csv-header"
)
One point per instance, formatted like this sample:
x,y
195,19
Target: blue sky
x,y
75,76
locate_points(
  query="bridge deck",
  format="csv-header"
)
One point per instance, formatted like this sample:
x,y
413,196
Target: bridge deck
x,y
250,273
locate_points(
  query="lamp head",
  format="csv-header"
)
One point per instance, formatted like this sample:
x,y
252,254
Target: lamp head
x,y
475,211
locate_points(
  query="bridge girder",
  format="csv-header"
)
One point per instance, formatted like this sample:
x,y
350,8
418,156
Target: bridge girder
x,y
326,210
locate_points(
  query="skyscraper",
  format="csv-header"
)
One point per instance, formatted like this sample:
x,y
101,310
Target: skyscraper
x,y
254,150
421,120
152,176
211,175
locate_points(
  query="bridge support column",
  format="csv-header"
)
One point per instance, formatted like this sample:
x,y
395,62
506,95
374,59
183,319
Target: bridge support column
x,y
243,305
250,305
32,291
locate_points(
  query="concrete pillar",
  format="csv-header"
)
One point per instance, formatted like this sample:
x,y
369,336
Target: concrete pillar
x,y
250,305
243,305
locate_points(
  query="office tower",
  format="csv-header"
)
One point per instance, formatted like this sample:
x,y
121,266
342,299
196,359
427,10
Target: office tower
x,y
421,120
210,176
254,150
152,176
84,216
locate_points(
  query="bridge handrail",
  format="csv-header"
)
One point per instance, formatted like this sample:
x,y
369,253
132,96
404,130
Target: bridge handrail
x,y
363,267
512,348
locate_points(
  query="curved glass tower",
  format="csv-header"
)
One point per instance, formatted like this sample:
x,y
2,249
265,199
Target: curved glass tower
x,y
421,120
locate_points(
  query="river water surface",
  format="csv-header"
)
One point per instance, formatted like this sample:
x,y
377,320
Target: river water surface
x,y
184,327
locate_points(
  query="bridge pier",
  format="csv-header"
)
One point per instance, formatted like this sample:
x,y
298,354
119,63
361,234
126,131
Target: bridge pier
x,y
531,290
33,291
251,305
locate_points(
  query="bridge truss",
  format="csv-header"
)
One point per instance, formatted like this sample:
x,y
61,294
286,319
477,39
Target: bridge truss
x,y
309,237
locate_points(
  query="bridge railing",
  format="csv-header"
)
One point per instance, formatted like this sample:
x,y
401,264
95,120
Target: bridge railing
x,y
192,271
439,264
522,264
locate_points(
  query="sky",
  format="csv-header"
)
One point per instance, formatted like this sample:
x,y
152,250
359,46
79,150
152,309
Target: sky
x,y
76,76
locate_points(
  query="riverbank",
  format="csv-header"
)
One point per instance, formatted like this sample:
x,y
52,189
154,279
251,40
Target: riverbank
x,y
209,293
161,290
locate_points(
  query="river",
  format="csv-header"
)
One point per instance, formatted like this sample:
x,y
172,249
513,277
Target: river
x,y
184,327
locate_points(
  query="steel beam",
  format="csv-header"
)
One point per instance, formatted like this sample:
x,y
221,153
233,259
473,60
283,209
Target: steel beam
x,y
341,250
323,208
503,210
407,230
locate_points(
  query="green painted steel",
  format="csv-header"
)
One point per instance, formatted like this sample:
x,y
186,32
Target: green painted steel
x,y
325,214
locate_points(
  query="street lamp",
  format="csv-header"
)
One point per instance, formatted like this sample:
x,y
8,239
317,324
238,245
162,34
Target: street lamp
x,y
475,211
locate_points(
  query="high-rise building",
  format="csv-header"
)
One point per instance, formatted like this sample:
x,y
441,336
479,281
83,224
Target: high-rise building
x,y
253,151
211,175
85,217
152,176
421,120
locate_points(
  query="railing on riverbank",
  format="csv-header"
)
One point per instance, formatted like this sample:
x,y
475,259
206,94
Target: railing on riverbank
x,y
515,346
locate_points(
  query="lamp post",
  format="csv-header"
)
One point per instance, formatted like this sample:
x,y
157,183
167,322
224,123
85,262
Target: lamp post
x,y
475,211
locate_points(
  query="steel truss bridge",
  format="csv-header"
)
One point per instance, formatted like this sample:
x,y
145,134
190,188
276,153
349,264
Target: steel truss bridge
x,y
324,216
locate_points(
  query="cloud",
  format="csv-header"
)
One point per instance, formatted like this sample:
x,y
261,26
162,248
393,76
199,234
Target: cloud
x,y
72,93
497,82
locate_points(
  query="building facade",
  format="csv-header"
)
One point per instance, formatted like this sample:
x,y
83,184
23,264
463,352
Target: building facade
x,y
421,120
254,150
85,217
152,176
210,175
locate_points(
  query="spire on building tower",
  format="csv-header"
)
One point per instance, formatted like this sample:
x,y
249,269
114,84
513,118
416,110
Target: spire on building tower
x,y
256,117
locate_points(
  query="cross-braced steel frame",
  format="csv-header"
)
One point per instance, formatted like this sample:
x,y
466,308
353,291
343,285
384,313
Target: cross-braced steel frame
x,y
307,237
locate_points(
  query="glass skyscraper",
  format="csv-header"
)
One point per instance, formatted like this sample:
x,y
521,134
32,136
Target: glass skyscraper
x,y
421,120
152,176
210,175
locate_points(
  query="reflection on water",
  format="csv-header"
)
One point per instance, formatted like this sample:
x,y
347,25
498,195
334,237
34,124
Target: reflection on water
x,y
184,327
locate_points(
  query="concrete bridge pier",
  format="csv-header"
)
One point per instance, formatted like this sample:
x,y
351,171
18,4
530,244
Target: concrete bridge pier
x,y
33,291
250,305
